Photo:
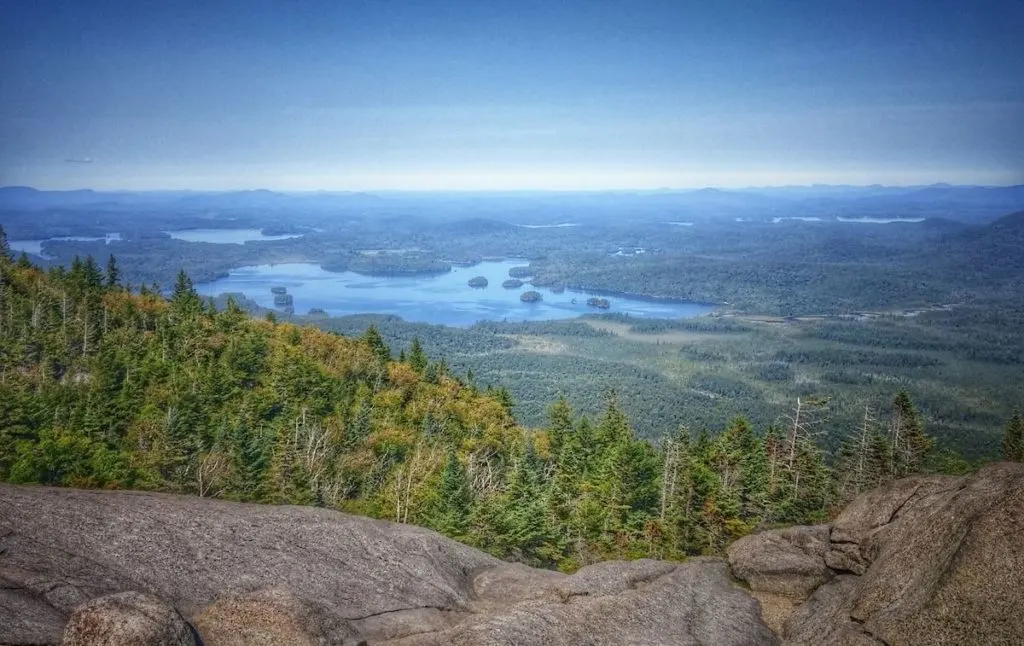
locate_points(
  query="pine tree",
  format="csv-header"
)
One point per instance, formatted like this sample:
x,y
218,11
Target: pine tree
x,y
1013,439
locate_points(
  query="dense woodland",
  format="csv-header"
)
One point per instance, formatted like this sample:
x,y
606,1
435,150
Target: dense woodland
x,y
103,387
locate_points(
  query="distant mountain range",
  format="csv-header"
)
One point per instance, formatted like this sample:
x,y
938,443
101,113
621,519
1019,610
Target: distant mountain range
x,y
977,204
24,197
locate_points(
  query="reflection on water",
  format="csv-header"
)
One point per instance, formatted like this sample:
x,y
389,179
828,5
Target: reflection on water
x,y
226,236
440,299
35,247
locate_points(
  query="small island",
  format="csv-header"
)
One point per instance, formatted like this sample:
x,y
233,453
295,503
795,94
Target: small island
x,y
520,272
283,300
478,281
512,283
598,302
278,290
530,297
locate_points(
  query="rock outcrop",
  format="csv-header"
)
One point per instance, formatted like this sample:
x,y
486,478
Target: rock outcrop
x,y
250,574
924,560
127,619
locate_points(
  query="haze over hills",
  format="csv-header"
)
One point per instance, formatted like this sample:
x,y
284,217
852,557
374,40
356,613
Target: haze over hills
x,y
522,322
973,203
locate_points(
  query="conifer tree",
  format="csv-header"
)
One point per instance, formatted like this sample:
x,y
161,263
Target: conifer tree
x,y
376,342
559,425
5,247
909,444
417,357
184,299
452,507
525,528
113,273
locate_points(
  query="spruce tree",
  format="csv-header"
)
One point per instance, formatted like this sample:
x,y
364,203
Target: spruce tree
x,y
559,425
909,444
452,507
417,357
5,248
113,273
375,341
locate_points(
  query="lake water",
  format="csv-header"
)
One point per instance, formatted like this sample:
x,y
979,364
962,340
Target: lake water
x,y
879,220
226,236
35,247
440,299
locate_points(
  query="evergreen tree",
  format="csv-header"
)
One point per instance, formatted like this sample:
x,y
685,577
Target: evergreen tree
x,y
376,342
113,273
5,247
184,299
909,444
524,520
613,427
417,357
1013,438
453,504
559,425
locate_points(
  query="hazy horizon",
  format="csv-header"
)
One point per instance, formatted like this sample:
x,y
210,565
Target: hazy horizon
x,y
454,95
385,190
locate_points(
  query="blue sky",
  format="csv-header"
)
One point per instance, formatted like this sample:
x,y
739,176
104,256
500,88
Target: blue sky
x,y
576,94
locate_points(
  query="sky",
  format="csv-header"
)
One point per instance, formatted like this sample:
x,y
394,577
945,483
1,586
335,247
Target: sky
x,y
478,95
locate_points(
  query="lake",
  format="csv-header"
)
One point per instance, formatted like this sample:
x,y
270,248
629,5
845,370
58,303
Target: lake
x,y
438,298
226,236
35,247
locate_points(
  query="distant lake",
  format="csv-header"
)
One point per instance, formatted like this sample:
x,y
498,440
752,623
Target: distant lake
x,y
438,298
226,236
879,220
35,247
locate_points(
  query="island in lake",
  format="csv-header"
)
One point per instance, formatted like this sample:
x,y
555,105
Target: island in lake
x,y
478,281
598,302
530,297
512,283
278,290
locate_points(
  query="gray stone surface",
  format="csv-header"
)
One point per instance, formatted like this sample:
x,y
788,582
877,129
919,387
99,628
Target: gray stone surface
x,y
127,619
924,560
691,604
272,617
927,560
788,562
294,575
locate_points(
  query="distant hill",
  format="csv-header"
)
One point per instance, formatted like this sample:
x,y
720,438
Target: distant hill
x,y
27,198
993,252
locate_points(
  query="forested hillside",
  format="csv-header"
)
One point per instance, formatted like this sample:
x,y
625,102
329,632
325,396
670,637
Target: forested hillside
x,y
100,387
